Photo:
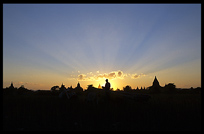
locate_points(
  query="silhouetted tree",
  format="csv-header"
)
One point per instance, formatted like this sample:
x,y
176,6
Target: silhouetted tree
x,y
197,90
90,88
22,90
54,88
170,88
117,89
127,88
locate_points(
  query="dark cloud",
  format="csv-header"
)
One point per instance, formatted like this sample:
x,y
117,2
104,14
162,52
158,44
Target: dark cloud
x,y
135,76
112,75
81,77
120,73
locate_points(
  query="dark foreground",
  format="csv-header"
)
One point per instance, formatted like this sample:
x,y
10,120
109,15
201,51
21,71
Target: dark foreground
x,y
48,112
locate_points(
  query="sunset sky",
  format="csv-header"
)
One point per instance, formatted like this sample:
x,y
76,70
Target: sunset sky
x,y
49,44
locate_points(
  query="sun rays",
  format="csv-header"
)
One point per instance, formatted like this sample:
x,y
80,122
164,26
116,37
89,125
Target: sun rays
x,y
140,41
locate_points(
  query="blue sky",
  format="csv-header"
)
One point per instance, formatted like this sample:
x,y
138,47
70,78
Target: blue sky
x,y
47,44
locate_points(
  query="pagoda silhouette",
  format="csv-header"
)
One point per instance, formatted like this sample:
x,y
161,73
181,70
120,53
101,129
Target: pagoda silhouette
x,y
155,88
78,89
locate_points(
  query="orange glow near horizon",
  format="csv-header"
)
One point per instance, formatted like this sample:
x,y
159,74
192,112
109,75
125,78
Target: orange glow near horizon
x,y
102,83
47,79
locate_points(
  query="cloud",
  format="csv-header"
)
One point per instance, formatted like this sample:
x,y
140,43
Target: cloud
x,y
120,73
90,73
81,77
25,83
111,75
135,76
101,75
22,82
91,77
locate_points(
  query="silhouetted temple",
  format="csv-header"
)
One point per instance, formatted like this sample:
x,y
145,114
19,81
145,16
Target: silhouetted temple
x,y
155,88
78,85
78,88
156,82
62,87
11,86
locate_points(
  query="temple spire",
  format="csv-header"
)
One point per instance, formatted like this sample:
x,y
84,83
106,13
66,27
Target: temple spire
x,y
155,82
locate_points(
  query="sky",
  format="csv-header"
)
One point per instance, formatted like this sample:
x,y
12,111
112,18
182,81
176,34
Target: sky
x,y
49,44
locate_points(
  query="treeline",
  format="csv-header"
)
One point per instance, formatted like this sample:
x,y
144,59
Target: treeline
x,y
56,90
